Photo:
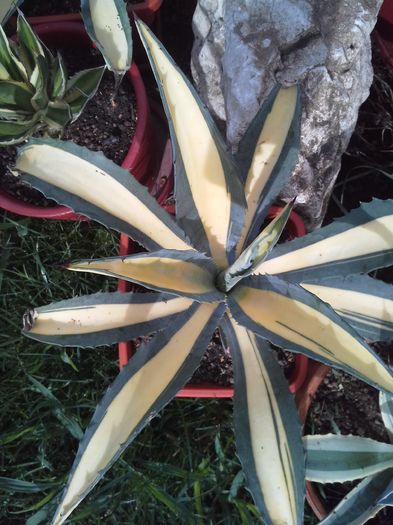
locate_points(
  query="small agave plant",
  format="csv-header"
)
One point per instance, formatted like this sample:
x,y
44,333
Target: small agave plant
x,y
211,267
336,458
35,91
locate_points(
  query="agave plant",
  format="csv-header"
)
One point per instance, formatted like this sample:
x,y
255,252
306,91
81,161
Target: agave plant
x,y
35,92
336,458
211,267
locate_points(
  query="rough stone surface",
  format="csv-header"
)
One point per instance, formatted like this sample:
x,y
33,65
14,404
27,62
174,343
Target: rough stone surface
x,y
242,47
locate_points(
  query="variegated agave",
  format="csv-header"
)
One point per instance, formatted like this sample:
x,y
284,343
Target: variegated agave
x,y
336,458
209,271
35,92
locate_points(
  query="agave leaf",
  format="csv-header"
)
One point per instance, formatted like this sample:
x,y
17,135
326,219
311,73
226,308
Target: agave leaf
x,y
81,88
291,317
9,61
90,184
16,95
58,114
386,407
365,303
267,155
357,243
335,458
30,45
203,165
386,497
267,427
150,380
184,273
103,318
7,7
39,79
255,253
109,27
12,133
360,504
59,76
14,115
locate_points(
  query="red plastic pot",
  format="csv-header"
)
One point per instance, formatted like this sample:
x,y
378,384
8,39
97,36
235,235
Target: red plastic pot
x,y
295,227
146,11
139,160
383,32
386,12
315,375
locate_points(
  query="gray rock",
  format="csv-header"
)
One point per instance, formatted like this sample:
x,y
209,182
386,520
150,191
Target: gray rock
x,y
242,47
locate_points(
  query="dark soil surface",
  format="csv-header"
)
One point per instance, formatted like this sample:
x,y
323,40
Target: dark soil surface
x,y
55,7
346,405
101,127
216,364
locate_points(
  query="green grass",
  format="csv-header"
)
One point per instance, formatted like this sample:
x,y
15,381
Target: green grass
x,y
181,469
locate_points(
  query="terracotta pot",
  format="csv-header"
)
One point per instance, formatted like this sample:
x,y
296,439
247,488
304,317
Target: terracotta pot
x,y
315,375
140,159
295,227
383,32
146,11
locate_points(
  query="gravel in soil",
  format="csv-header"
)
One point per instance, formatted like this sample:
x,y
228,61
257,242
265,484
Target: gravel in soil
x,y
101,127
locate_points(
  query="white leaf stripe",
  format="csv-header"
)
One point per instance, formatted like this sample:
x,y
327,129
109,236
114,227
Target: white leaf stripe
x,y
208,168
358,243
270,450
103,318
335,458
91,184
291,317
143,387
